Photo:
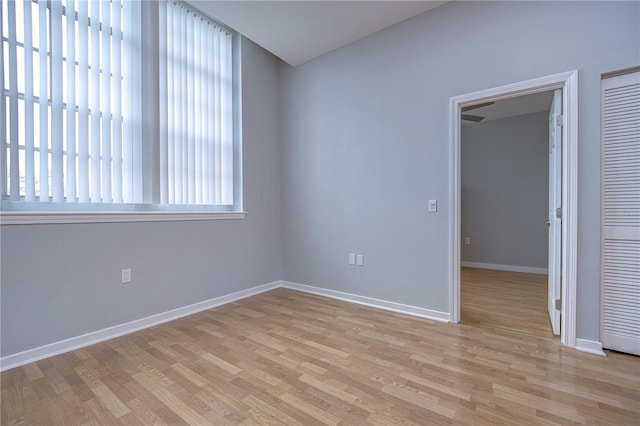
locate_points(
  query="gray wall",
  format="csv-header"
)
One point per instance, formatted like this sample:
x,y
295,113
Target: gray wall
x,y
60,281
365,140
505,187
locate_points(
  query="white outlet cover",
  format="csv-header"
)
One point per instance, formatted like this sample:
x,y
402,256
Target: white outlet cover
x,y
352,259
126,275
433,205
360,260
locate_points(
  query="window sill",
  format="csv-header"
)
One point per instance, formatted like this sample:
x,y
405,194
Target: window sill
x,y
42,218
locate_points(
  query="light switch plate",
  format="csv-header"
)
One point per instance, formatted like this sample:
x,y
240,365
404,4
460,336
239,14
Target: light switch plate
x,y
360,260
352,259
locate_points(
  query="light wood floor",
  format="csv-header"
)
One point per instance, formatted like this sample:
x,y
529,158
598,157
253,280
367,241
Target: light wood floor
x,y
509,300
286,357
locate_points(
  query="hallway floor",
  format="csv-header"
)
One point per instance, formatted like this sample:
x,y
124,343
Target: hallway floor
x,y
513,301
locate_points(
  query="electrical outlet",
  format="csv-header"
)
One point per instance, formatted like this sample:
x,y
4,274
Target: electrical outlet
x,y
352,259
467,241
360,260
433,205
126,275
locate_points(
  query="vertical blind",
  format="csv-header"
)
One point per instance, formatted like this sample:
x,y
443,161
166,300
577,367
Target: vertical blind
x,y
196,109
71,114
64,139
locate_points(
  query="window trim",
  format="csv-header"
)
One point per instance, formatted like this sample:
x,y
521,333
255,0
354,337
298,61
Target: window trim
x,y
66,217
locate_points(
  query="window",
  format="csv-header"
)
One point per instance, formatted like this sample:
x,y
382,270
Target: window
x,y
82,130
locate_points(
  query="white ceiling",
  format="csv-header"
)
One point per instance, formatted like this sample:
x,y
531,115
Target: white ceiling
x,y
528,104
299,31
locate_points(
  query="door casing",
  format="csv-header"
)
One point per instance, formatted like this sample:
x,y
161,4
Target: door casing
x,y
568,82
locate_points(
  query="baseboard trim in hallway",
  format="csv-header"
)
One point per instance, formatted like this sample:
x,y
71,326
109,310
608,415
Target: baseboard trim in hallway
x,y
511,268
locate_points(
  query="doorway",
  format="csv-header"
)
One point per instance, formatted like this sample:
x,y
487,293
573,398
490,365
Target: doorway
x,y
568,83
508,238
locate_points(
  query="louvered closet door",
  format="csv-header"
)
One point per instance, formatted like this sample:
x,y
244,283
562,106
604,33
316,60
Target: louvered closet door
x,y
620,249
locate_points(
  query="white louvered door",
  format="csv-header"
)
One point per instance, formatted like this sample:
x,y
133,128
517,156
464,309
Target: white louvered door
x,y
620,251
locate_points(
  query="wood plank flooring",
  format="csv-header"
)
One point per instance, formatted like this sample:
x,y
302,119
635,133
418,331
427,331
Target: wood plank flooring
x,y
290,358
509,300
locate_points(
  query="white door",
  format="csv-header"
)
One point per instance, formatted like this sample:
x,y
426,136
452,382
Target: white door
x,y
555,203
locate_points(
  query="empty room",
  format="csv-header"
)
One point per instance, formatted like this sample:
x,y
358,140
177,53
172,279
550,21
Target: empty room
x,y
310,212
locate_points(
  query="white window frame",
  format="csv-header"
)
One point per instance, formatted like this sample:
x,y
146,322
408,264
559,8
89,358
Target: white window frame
x,y
23,213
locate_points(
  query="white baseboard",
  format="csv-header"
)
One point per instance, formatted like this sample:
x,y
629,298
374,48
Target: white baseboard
x,y
57,348
36,354
590,346
32,355
369,301
511,268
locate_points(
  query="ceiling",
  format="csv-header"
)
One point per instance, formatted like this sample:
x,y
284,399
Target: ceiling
x,y
527,104
299,31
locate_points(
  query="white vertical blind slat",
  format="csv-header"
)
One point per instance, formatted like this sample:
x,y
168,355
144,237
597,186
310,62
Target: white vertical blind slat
x,y
207,90
57,131
162,77
134,84
129,26
184,101
83,102
171,102
217,108
3,120
178,108
29,151
174,104
105,98
190,95
116,71
43,103
14,172
227,121
95,101
213,127
197,94
70,100
176,116
203,112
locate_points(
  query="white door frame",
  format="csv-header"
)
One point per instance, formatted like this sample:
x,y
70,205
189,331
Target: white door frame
x,y
568,82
